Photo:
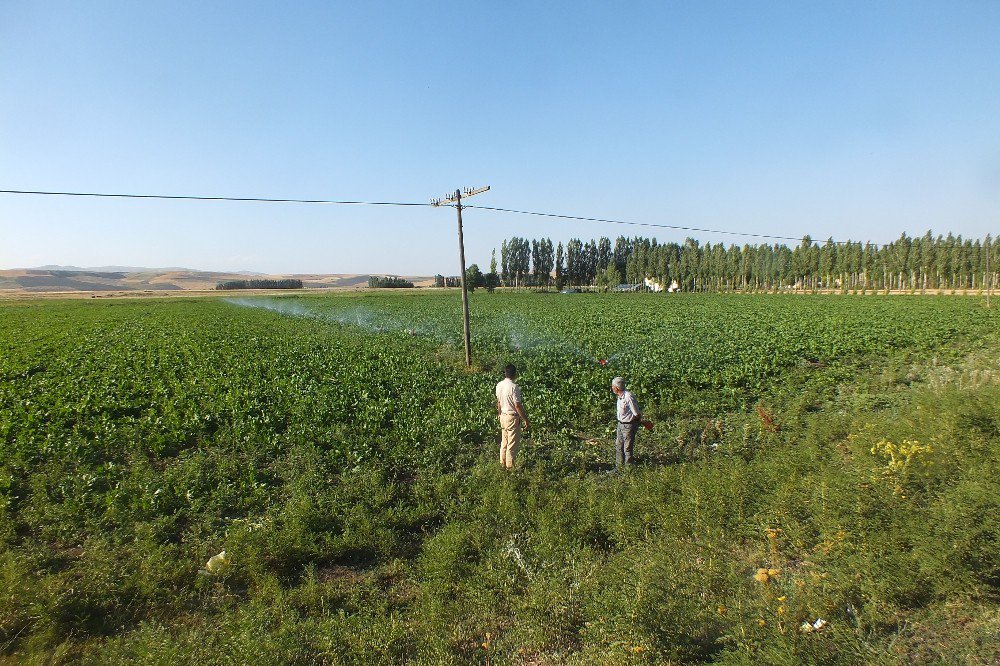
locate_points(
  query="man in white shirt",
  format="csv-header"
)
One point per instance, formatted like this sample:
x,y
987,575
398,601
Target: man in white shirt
x,y
629,420
511,413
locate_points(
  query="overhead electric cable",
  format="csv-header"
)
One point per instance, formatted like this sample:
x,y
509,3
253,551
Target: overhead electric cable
x,y
676,227
196,198
639,224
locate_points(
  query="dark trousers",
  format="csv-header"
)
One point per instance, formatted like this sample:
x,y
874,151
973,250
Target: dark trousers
x,y
624,443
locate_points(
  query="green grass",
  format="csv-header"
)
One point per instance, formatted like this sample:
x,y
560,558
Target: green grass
x,y
342,455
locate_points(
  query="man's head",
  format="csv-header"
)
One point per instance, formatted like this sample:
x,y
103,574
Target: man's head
x,y
510,372
617,384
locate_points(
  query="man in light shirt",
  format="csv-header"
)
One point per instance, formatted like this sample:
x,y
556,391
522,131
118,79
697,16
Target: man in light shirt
x,y
629,420
511,413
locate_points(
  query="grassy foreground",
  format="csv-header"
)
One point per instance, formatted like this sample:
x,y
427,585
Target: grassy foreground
x,y
819,462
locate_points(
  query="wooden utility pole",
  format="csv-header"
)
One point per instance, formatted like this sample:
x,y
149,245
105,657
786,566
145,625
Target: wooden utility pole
x,y
989,276
456,199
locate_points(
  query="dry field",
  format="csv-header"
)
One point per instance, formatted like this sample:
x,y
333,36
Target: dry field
x,y
34,283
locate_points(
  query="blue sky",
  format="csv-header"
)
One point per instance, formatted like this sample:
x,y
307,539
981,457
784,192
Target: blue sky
x,y
851,120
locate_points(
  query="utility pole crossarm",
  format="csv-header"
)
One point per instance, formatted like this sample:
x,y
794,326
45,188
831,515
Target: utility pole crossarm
x,y
457,197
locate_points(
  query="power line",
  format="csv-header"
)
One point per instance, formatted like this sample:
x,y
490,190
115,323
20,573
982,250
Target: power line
x,y
194,198
415,204
643,224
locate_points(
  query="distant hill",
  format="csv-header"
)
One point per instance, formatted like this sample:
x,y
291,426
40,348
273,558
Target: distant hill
x,y
108,269
74,279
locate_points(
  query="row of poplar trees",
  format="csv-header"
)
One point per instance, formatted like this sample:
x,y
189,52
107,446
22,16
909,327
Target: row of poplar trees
x,y
908,263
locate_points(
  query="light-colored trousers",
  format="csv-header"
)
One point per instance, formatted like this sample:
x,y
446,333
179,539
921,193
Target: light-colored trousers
x,y
510,439
625,443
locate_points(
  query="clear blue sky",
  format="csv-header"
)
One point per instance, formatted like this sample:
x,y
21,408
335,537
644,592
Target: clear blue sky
x,y
857,120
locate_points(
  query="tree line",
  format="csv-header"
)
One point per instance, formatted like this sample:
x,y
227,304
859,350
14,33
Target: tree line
x,y
288,283
908,263
388,282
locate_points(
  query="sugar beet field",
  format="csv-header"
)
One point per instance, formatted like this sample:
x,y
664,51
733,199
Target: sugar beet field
x,y
821,486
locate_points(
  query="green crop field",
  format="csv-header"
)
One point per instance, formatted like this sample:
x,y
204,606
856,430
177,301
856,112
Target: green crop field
x,y
821,486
